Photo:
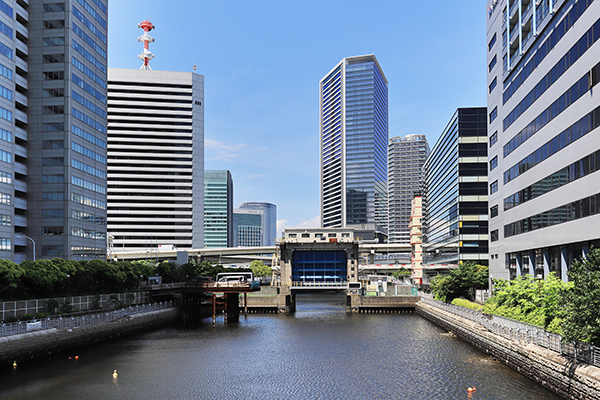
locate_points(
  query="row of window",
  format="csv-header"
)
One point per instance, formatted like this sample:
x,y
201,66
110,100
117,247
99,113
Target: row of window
x,y
88,185
54,92
53,144
53,75
570,173
56,178
546,47
53,161
580,128
88,120
88,168
493,84
80,66
53,196
88,104
6,72
6,51
79,32
5,156
6,9
5,135
81,50
88,217
5,244
5,177
578,49
79,15
54,41
54,127
52,251
6,93
52,213
88,153
54,24
5,29
88,201
88,136
5,114
50,110
5,220
88,88
54,7
85,251
88,233
53,230
568,212
565,100
93,12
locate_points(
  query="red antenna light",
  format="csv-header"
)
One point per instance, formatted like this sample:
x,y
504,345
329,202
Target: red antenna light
x,y
146,54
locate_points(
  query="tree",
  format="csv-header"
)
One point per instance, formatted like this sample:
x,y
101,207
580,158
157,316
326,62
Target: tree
x,y
259,268
461,282
581,302
401,273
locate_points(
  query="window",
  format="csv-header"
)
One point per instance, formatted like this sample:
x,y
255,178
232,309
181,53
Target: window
x,y
5,199
5,114
5,244
5,29
58,92
54,58
53,144
306,235
54,24
56,127
5,156
5,220
48,110
493,163
492,63
493,138
292,235
493,187
52,213
54,7
52,196
6,51
56,41
493,114
493,84
53,161
494,211
53,178
494,235
52,230
54,75
331,235
52,250
5,177
492,42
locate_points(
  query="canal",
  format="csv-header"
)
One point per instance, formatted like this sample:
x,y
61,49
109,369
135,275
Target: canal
x,y
320,352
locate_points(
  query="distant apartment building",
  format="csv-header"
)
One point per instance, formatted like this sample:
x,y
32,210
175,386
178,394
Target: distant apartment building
x,y
406,156
544,147
218,209
353,149
248,228
455,191
155,159
269,224
53,129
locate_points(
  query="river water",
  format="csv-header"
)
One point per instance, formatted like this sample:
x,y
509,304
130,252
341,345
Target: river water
x,y
320,352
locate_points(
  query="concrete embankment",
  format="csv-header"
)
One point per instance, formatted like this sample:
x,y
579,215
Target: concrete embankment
x,y
548,368
32,345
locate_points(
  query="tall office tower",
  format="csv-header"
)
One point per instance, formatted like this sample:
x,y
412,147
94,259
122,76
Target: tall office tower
x,y
455,191
406,156
218,209
354,141
544,147
248,228
269,227
155,157
52,129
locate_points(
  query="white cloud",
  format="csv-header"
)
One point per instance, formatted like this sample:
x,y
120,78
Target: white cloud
x,y
282,224
229,151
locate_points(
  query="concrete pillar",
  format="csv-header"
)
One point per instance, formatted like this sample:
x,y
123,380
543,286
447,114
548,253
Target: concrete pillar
x,y
519,265
564,263
546,262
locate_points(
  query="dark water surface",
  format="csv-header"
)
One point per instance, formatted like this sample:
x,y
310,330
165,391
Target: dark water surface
x,y
320,352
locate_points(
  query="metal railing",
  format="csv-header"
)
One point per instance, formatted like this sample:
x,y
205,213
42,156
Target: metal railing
x,y
69,321
523,332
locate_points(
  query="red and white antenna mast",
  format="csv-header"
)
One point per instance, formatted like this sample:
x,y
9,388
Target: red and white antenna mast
x,y
146,54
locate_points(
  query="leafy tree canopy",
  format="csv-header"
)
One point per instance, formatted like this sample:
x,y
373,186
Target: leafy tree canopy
x,y
259,268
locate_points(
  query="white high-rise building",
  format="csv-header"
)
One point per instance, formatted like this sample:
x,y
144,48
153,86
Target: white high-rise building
x,y
155,159
544,147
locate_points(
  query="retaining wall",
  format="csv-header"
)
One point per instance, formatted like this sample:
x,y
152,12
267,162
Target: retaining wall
x,y
546,367
32,345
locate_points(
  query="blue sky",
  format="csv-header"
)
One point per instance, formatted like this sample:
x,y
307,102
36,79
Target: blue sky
x,y
262,62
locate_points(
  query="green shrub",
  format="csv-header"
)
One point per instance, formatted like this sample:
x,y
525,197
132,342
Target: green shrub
x,y
467,304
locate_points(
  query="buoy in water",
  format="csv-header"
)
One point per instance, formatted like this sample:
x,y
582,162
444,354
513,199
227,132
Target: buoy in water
x,y
77,357
14,364
115,374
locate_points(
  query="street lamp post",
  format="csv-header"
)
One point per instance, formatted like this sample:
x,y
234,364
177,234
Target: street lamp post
x,y
32,241
68,285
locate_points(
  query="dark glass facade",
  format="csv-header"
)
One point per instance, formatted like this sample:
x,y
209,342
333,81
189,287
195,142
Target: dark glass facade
x,y
455,185
319,266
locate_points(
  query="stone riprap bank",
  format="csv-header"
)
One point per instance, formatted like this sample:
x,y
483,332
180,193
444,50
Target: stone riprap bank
x,y
32,345
546,367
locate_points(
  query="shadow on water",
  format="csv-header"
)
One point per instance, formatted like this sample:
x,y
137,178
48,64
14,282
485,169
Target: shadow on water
x,y
320,352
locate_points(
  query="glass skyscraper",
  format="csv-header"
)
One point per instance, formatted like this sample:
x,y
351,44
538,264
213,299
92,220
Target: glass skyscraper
x,y
354,141
218,208
269,222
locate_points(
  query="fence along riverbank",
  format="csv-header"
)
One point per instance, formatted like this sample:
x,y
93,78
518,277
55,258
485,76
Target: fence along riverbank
x,y
570,370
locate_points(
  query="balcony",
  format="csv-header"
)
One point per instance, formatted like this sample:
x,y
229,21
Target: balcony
x,y
20,10
20,221
21,186
20,203
20,168
21,81
21,116
21,98
20,151
20,133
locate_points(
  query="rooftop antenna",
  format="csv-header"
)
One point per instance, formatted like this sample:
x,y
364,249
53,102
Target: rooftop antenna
x,y
146,55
